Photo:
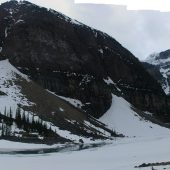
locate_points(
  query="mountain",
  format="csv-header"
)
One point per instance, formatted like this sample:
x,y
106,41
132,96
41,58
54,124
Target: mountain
x,y
34,114
75,61
159,66
67,89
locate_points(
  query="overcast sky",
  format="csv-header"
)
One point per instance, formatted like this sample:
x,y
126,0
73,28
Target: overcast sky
x,y
142,32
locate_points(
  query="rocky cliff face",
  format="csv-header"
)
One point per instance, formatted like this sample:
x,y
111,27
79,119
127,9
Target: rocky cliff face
x,y
74,60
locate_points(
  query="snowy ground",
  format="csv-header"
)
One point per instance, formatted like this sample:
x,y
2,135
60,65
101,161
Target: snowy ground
x,y
8,145
120,155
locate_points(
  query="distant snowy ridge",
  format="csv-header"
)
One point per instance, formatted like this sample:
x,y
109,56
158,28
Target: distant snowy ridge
x,y
162,62
155,59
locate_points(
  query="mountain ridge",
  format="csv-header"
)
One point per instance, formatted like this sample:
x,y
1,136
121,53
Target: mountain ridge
x,y
73,60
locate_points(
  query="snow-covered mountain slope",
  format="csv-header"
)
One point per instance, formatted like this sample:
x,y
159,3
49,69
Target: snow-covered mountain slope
x,y
12,93
31,110
122,118
161,62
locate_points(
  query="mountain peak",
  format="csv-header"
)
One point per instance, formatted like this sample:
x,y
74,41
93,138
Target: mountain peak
x,y
161,61
14,3
152,57
165,54
162,58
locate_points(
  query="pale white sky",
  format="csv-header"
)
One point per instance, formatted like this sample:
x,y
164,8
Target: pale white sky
x,y
142,32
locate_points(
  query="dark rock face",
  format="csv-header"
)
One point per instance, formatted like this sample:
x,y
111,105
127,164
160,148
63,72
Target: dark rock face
x,y
74,60
153,70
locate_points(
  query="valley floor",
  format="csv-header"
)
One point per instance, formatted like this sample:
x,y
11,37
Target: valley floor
x,y
121,154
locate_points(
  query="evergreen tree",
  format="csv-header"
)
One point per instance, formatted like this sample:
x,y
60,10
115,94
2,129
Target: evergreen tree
x,y
5,111
18,117
10,113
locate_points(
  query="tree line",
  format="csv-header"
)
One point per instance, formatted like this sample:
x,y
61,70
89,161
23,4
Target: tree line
x,y
21,120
